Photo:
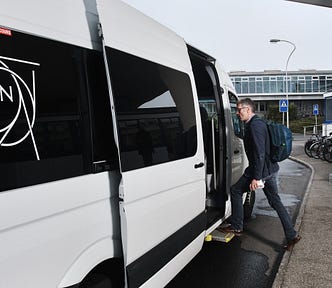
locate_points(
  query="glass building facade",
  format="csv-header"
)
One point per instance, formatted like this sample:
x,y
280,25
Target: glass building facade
x,y
304,88
277,84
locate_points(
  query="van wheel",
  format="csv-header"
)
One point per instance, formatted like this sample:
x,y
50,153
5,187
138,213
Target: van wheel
x,y
248,205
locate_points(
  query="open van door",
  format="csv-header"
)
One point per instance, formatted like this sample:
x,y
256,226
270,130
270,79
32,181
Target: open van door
x,y
162,189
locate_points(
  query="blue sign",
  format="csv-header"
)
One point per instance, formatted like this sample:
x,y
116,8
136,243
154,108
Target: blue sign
x,y
315,109
283,105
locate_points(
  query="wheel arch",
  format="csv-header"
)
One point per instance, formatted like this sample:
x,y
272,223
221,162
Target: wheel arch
x,y
99,252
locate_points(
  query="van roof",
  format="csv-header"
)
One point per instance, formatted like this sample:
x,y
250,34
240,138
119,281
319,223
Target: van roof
x,y
70,21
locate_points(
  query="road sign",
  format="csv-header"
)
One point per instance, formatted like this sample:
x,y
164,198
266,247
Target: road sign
x,y
283,105
315,109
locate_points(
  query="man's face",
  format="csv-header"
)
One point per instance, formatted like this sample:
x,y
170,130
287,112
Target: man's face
x,y
243,112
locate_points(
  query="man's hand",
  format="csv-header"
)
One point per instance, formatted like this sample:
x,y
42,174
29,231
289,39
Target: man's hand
x,y
254,184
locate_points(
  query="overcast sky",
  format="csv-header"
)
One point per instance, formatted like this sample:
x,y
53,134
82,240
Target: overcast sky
x,y
237,32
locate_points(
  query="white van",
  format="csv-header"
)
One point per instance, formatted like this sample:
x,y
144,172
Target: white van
x,y
118,146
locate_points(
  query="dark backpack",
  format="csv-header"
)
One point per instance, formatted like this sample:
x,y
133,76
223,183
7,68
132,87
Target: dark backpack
x,y
280,139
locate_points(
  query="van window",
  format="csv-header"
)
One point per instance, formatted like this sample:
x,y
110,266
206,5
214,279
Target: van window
x,y
41,123
104,148
155,111
237,124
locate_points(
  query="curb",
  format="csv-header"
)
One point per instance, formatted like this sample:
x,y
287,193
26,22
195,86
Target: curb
x,y
279,279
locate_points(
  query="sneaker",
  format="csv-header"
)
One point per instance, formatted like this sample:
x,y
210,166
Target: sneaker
x,y
290,244
230,229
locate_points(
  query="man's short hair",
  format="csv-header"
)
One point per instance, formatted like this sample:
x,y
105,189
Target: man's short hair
x,y
247,102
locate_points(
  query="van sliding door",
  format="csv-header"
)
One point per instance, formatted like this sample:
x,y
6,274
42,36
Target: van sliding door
x,y
213,126
162,190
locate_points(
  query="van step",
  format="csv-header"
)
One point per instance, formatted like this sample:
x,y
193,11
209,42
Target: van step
x,y
219,236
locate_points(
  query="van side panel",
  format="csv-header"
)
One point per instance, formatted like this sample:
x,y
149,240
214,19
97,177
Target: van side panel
x,y
45,229
146,38
54,20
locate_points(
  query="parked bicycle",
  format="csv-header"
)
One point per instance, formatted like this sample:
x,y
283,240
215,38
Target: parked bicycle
x,y
319,147
312,140
327,149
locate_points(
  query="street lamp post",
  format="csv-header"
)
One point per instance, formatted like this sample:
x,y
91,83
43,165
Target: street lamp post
x,y
294,47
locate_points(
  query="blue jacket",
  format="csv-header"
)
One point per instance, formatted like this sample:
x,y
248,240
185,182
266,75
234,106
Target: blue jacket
x,y
257,147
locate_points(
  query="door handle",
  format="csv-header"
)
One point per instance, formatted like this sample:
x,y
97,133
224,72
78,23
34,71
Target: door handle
x,y
199,165
236,151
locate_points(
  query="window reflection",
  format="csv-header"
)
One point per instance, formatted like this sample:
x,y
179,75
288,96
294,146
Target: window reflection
x,y
155,111
235,119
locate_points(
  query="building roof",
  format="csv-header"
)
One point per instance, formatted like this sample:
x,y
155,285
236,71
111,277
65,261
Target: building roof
x,y
324,3
279,72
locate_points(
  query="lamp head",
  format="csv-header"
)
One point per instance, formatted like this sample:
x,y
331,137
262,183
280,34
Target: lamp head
x,y
275,40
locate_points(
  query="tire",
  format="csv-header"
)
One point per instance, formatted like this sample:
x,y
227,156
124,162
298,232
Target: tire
x,y
328,153
321,151
307,147
248,205
315,150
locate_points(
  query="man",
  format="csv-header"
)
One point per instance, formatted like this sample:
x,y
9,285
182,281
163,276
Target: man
x,y
260,169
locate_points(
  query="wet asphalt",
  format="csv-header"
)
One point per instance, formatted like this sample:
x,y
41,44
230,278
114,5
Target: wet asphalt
x,y
253,259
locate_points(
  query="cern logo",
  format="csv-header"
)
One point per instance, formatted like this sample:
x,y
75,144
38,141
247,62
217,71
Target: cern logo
x,y
18,103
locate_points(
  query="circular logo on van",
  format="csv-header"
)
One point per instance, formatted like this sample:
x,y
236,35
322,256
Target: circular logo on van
x,y
17,104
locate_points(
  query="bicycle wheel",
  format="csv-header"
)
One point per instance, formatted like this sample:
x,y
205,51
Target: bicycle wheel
x,y
327,153
307,147
315,149
320,152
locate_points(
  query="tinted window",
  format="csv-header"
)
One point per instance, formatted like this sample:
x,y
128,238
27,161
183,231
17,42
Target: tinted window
x,y
155,111
328,109
41,119
237,124
104,149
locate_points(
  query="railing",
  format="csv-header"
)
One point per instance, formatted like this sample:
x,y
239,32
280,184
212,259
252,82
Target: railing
x,y
313,129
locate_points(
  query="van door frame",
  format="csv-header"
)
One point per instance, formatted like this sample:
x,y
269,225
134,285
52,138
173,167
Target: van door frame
x,y
224,173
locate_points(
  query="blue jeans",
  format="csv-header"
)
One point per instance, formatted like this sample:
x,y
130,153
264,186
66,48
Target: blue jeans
x,y
271,193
